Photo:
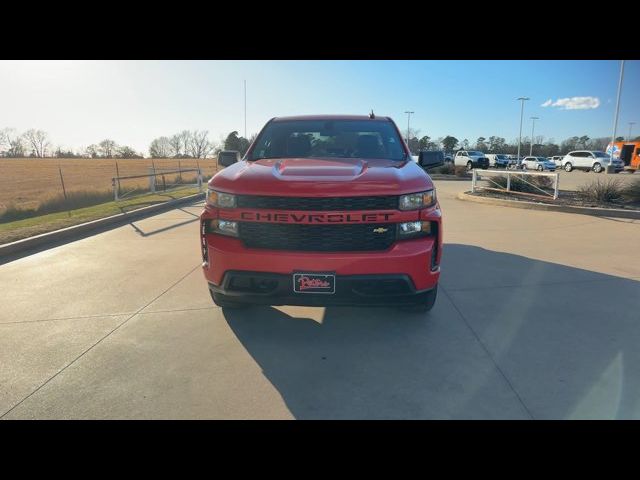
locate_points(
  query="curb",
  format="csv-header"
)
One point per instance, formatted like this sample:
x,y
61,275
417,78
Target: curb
x,y
76,231
595,211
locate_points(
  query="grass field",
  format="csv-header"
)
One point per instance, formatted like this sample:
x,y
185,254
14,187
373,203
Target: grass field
x,y
28,227
25,183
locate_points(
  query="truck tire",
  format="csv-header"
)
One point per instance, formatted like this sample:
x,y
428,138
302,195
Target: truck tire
x,y
221,301
426,305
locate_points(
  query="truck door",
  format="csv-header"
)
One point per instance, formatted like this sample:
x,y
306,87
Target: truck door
x,y
626,153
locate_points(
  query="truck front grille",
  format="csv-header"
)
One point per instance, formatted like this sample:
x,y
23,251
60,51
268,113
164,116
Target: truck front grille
x,y
318,203
317,238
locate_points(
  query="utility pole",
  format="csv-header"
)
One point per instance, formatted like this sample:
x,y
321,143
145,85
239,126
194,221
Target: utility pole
x,y
522,99
245,109
408,120
629,137
533,124
615,119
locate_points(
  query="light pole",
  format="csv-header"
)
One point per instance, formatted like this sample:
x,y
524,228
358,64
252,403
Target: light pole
x,y
533,124
615,119
630,125
408,120
245,109
522,99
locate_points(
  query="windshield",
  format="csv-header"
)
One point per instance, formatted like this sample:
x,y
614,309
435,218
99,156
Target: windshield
x,y
501,157
329,139
543,159
471,153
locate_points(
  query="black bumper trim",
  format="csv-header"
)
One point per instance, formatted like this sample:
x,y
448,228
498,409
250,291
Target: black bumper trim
x,y
261,288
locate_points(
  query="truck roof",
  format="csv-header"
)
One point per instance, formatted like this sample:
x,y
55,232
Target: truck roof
x,y
330,117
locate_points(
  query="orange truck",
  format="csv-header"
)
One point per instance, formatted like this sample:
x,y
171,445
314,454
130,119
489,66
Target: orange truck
x,y
628,152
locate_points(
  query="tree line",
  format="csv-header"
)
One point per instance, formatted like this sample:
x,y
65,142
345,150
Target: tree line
x,y
496,144
184,144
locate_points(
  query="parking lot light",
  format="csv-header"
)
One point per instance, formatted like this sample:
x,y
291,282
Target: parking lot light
x,y
522,99
609,168
630,125
532,127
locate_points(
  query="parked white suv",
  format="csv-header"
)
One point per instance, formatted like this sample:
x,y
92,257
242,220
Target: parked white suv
x,y
589,160
470,159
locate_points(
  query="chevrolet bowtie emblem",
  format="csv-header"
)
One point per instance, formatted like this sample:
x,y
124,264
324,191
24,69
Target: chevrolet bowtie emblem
x,y
380,230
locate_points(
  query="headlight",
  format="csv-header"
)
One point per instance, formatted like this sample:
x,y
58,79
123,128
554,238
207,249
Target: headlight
x,y
413,201
220,199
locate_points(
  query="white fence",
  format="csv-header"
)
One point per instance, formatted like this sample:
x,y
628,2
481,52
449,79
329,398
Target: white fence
x,y
521,175
154,184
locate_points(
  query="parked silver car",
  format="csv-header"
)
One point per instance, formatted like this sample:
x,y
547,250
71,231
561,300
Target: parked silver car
x,y
538,163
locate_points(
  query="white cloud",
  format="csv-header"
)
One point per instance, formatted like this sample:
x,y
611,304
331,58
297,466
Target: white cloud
x,y
574,103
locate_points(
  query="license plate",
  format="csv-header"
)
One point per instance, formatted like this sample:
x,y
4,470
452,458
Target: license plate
x,y
314,283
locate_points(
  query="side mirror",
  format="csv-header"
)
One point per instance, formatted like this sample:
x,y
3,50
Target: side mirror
x,y
228,157
429,160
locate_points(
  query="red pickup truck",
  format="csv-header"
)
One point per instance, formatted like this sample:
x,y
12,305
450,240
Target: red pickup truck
x,y
323,210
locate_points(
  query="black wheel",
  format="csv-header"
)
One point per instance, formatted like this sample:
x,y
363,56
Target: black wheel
x,y
469,166
221,301
524,166
597,167
540,168
426,305
568,167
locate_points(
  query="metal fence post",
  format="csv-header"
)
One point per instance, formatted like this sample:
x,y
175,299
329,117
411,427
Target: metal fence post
x,y
473,181
115,189
199,180
152,180
555,189
508,181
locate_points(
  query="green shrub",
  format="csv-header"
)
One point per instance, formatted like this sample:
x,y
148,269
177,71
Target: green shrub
x,y
609,191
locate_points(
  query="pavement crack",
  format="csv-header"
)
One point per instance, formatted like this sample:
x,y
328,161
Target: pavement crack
x,y
486,350
99,341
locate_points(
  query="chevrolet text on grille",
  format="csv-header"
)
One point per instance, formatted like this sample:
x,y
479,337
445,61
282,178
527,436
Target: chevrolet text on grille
x,y
316,217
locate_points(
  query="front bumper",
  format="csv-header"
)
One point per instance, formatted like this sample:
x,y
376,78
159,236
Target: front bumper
x,y
261,288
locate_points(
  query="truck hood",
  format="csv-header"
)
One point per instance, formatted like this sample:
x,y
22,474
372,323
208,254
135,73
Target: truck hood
x,y
318,177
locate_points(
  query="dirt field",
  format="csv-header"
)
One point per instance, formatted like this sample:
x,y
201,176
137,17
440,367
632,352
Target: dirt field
x,y
26,181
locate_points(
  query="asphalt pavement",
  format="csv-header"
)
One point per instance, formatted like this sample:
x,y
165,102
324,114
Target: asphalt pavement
x,y
538,317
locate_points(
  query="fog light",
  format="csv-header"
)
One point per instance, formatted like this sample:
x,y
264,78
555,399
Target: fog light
x,y
408,228
228,228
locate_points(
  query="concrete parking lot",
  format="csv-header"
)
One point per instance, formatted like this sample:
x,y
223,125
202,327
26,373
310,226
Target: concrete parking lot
x,y
538,316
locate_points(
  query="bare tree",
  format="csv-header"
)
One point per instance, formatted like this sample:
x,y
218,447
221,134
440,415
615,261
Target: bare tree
x,y
107,148
160,148
38,141
175,143
199,144
14,143
4,139
185,137
91,151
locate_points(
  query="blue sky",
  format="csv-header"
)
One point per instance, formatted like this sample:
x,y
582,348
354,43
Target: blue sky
x,y
132,102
